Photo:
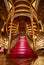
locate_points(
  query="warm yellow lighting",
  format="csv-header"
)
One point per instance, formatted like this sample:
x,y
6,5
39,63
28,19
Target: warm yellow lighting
x,y
34,3
35,37
2,30
10,5
40,30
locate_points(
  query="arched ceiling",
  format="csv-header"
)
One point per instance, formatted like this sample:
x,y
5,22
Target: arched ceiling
x,y
3,13
40,9
5,7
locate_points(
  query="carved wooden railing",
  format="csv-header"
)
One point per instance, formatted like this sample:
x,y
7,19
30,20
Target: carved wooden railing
x,y
21,12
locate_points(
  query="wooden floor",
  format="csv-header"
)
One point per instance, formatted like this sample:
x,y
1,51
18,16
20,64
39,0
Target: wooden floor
x,y
3,60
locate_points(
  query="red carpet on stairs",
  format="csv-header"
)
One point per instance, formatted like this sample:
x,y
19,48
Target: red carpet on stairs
x,y
22,49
